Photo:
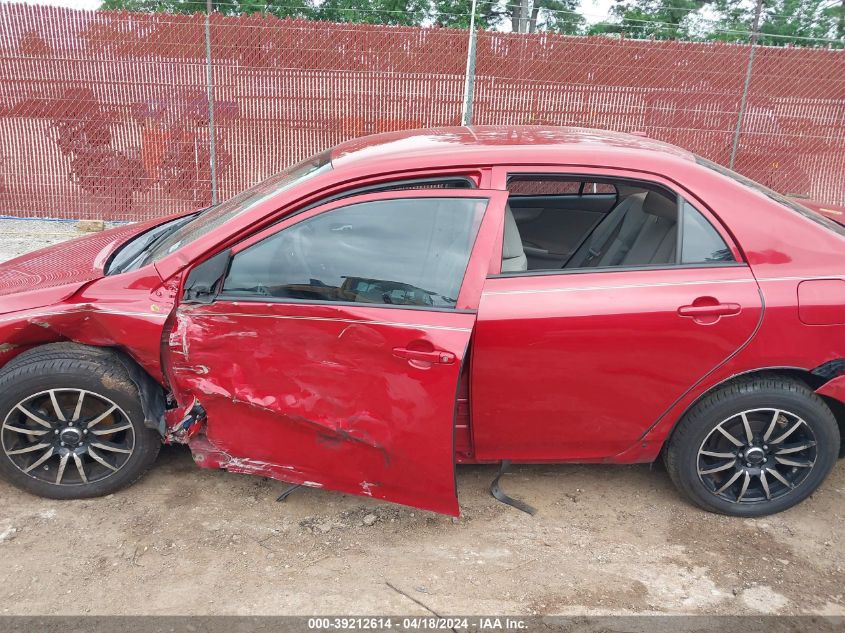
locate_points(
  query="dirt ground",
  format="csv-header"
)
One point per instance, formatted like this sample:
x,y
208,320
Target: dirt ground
x,y
606,539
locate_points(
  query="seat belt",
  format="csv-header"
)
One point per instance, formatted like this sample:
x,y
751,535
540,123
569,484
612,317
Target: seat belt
x,y
595,254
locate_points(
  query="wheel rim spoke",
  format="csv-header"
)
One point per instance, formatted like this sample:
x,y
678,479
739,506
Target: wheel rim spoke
x,y
792,461
47,455
794,448
745,483
108,446
28,449
765,483
774,473
772,424
56,407
62,465
717,469
101,417
99,459
730,437
749,436
791,430
719,455
730,482
16,429
78,410
110,430
80,468
33,417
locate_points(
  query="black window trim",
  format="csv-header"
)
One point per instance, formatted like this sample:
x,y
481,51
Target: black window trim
x,y
407,184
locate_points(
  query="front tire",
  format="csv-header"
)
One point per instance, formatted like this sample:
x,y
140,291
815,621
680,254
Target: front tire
x,y
755,447
71,423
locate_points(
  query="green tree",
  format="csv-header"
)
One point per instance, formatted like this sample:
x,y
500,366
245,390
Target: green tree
x,y
661,19
456,14
558,16
281,8
523,16
781,21
399,12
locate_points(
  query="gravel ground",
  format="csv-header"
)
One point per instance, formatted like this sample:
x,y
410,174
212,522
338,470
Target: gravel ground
x,y
606,540
21,236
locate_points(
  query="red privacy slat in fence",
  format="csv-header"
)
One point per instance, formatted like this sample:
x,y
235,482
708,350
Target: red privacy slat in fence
x,y
105,114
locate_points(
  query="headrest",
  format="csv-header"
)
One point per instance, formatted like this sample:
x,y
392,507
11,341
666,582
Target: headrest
x,y
661,206
512,242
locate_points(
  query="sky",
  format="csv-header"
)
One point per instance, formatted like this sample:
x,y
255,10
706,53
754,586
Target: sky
x,y
593,10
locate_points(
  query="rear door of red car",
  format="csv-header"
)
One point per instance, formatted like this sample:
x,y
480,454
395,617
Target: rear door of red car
x,y
580,364
331,357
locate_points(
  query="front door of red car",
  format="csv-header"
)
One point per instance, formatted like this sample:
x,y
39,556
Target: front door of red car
x,y
332,353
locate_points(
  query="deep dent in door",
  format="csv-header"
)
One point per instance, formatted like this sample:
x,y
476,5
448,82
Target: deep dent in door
x,y
323,413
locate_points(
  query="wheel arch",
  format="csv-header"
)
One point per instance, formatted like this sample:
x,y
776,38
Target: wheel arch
x,y
150,391
813,378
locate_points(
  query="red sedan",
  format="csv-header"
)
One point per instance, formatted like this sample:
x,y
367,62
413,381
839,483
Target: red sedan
x,y
401,303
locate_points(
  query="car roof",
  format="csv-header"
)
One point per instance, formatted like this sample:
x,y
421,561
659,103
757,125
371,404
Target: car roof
x,y
490,145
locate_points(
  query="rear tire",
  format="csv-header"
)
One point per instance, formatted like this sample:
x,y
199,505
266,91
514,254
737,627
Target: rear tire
x,y
752,448
71,423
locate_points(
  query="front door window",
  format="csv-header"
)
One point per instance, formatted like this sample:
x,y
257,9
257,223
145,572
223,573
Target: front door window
x,y
404,252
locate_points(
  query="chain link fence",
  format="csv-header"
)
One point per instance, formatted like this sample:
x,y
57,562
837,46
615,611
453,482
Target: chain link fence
x,y
127,116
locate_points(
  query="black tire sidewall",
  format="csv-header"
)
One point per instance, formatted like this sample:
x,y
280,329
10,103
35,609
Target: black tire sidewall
x,y
27,380
807,406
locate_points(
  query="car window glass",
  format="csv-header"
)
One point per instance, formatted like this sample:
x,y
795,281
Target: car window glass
x,y
598,188
701,242
611,223
407,252
543,186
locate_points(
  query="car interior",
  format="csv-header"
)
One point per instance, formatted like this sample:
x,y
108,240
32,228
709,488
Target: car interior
x,y
555,223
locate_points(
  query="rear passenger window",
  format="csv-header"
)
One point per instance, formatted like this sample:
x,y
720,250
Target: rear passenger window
x,y
701,242
609,223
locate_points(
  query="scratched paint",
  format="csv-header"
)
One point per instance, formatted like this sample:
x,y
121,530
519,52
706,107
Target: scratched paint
x,y
324,399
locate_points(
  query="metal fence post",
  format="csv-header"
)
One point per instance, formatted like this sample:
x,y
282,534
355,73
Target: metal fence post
x,y
469,80
742,103
210,89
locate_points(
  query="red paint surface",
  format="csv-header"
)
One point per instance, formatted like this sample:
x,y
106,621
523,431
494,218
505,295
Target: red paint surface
x,y
578,366
583,366
834,389
822,302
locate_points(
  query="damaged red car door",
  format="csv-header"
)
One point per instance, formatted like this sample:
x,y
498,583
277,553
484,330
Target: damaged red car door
x,y
331,354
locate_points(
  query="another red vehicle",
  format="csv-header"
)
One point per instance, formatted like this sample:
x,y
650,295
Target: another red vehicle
x,y
369,318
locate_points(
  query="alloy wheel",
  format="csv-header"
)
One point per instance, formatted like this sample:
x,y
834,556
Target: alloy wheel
x,y
757,455
68,437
